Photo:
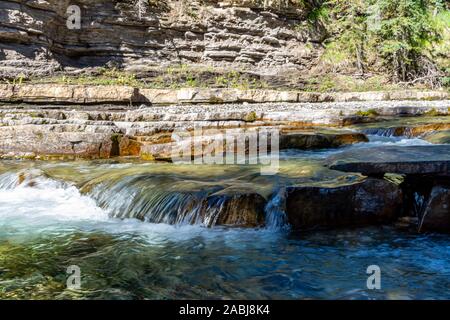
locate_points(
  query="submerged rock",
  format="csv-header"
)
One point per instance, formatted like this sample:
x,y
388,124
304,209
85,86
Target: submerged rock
x,y
437,213
371,201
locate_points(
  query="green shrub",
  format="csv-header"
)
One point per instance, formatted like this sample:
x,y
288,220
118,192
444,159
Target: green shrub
x,y
368,113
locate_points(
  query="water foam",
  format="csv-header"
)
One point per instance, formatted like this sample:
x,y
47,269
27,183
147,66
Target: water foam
x,y
30,195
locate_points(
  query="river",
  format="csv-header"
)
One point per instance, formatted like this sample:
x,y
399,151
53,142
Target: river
x,y
124,223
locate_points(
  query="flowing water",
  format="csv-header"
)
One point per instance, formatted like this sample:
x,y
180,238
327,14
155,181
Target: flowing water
x,y
138,231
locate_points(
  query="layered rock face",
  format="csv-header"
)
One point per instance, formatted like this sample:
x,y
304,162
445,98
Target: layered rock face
x,y
101,94
43,131
35,40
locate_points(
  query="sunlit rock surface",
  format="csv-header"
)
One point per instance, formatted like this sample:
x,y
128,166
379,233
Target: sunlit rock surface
x,y
105,131
319,140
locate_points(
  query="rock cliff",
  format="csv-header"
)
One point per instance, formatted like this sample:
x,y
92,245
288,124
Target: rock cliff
x,y
35,39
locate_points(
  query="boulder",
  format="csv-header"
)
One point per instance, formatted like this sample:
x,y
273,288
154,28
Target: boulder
x,y
371,201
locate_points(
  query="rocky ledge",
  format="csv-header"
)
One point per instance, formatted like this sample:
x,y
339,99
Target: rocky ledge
x,y
90,94
104,131
407,160
403,184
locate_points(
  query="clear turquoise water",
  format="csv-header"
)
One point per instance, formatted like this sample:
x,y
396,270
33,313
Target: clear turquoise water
x,y
49,224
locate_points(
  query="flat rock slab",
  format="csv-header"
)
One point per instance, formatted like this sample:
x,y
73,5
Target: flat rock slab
x,y
393,159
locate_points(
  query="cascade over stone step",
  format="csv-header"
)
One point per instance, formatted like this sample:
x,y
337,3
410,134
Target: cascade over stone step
x,y
408,126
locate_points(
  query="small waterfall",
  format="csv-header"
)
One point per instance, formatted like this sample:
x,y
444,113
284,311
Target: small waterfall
x,y
159,199
275,210
148,199
31,196
27,178
389,132
214,208
9,181
419,205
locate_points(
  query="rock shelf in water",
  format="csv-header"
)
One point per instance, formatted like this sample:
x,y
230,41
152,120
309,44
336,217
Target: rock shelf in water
x,y
425,160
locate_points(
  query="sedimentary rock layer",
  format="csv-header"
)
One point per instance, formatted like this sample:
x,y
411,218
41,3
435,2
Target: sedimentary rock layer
x,y
89,94
104,131
35,40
